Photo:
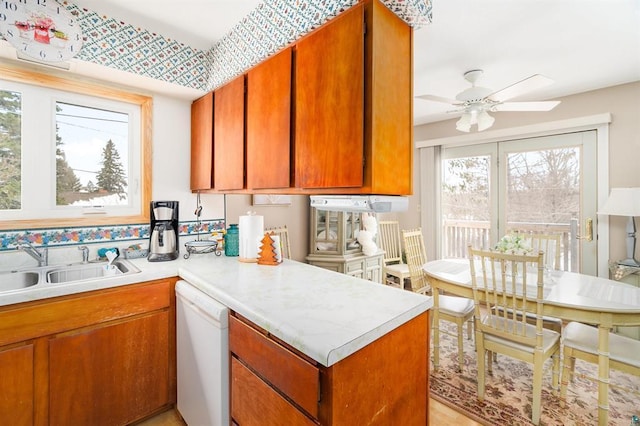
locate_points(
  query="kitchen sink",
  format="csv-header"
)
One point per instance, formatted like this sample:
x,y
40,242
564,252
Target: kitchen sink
x,y
61,274
89,271
18,280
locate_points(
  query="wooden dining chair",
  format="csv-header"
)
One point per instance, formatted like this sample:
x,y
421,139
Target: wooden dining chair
x,y
458,310
395,270
506,283
549,244
581,341
285,246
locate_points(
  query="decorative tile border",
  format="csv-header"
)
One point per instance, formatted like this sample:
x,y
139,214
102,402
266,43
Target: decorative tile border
x,y
103,234
273,25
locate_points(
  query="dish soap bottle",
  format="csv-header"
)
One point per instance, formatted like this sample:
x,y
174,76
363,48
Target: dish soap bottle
x,y
232,241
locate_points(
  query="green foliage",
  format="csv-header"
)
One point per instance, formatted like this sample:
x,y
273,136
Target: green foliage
x,y
10,150
112,177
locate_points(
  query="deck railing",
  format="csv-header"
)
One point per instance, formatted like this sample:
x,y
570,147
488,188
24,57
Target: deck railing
x,y
458,234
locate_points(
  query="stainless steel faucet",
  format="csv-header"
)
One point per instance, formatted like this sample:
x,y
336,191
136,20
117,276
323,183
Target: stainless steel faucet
x,y
85,253
42,256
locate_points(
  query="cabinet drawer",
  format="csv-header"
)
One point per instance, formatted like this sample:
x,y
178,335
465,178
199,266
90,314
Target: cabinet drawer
x,y
354,266
31,320
286,371
269,409
373,262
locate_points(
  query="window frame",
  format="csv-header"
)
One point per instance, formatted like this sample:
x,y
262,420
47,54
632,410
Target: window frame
x,y
145,103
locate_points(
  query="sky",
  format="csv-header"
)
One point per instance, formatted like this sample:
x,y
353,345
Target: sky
x,y
85,132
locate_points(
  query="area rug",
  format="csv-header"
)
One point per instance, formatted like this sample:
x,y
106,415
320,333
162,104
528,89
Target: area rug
x,y
508,391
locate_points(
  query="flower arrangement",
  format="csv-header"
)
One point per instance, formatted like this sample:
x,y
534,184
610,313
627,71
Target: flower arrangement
x,y
513,244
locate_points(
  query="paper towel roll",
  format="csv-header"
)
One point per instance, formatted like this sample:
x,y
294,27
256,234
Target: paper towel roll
x,y
251,232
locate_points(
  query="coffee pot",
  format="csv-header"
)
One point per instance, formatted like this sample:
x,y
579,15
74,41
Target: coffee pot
x,y
163,237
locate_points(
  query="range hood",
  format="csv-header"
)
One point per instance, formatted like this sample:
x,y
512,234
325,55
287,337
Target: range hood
x,y
360,203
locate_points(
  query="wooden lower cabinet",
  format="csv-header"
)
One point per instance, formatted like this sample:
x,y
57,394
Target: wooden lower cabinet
x,y
16,384
98,358
384,383
111,375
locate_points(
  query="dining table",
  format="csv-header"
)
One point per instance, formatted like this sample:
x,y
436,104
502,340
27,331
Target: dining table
x,y
569,296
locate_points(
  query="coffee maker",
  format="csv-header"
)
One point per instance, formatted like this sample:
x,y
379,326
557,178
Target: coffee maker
x,y
163,237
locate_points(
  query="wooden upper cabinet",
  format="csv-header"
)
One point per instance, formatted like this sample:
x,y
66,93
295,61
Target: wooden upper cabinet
x,y
389,103
228,136
202,142
329,104
269,123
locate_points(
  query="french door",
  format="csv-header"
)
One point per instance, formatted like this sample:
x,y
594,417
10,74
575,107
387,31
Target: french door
x,y
537,185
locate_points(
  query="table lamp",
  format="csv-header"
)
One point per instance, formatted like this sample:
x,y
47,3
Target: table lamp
x,y
625,202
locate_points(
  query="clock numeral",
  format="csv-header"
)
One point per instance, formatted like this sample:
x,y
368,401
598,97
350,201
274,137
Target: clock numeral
x,y
10,6
43,54
41,2
3,17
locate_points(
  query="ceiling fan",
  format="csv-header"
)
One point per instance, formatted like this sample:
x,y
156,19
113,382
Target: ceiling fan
x,y
476,102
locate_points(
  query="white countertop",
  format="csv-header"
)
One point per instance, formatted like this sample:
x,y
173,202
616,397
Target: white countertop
x,y
324,314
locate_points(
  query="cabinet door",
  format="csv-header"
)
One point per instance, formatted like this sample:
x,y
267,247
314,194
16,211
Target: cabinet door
x,y
202,142
389,99
111,375
16,385
228,136
329,104
269,123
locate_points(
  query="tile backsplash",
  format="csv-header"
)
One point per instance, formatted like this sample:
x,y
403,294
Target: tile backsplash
x,y
70,236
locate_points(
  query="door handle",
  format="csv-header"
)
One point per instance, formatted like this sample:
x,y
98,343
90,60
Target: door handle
x,y
588,230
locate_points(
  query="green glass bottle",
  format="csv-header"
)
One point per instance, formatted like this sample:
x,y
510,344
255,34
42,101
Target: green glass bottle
x,y
232,241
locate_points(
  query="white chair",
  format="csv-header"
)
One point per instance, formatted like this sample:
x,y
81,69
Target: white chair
x,y
581,341
457,310
500,281
550,244
395,270
283,233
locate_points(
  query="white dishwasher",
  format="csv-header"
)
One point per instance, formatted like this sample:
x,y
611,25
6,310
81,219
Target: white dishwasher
x,y
202,334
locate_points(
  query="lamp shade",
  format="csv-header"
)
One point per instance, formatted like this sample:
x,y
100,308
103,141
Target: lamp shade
x,y
622,202
464,124
485,121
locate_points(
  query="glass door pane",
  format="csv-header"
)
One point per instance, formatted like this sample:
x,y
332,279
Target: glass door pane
x,y
543,195
467,194
542,185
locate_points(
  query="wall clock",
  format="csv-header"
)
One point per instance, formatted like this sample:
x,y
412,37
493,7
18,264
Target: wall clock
x,y
40,29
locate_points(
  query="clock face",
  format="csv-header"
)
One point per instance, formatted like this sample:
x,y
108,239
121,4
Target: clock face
x,y
41,29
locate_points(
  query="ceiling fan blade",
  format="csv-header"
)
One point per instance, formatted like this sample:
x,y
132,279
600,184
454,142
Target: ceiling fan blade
x,y
529,84
439,99
526,106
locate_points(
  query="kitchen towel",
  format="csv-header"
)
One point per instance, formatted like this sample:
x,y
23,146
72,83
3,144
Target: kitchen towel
x,y
251,233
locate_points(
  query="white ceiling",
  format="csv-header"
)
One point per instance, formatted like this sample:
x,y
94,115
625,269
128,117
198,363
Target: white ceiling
x,y
581,44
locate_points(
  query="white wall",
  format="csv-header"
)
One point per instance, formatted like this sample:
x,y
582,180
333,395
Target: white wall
x,y
172,159
623,102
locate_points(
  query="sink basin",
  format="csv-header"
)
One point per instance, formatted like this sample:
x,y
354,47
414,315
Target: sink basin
x,y
89,271
18,280
45,275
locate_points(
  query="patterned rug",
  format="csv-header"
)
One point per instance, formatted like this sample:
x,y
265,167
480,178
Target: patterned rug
x,y
508,391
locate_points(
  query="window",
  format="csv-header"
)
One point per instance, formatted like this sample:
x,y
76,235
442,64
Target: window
x,y
71,153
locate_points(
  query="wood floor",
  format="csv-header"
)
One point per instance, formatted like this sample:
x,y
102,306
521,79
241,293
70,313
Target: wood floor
x,y
439,414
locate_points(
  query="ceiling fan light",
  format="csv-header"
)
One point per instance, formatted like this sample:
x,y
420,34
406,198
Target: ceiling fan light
x,y
485,121
464,124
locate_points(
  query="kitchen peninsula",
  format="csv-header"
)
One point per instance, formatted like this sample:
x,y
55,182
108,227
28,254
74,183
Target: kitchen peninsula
x,y
361,347
365,345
